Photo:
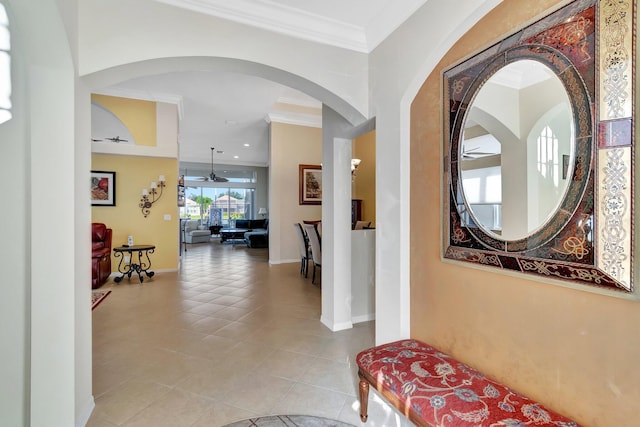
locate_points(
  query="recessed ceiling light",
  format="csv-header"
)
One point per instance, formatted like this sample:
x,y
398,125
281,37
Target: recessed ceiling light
x,y
236,157
247,145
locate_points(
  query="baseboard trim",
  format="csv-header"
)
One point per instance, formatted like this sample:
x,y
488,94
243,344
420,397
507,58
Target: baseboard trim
x,y
283,261
335,327
115,274
363,318
83,419
166,270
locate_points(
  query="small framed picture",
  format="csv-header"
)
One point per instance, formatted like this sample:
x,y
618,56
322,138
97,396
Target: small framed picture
x,y
310,177
181,196
103,188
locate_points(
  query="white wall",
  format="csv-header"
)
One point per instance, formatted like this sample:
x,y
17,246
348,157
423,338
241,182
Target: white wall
x,y
49,323
14,228
492,98
337,149
398,67
546,191
82,210
363,275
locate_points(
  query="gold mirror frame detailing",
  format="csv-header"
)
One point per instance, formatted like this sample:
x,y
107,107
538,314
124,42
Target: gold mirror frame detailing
x,y
589,44
615,155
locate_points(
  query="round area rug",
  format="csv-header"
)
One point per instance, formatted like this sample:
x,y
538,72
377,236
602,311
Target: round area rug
x,y
289,421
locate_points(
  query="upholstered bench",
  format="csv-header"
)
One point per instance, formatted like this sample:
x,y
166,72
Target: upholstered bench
x,y
433,389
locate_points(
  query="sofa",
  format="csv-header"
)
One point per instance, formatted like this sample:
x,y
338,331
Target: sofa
x,y
101,237
194,234
257,234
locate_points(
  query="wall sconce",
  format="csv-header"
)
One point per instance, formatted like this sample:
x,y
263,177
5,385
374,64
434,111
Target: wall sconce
x,y
263,212
354,167
151,196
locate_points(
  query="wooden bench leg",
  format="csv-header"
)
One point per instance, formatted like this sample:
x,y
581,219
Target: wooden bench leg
x,y
364,397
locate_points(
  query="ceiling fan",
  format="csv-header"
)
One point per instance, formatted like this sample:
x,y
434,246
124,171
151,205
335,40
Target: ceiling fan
x,y
473,153
117,139
212,176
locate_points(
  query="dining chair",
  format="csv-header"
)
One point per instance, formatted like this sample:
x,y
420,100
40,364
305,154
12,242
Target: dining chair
x,y
317,223
305,250
316,248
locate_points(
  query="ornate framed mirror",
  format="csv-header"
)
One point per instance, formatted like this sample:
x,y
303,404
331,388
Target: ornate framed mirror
x,y
539,149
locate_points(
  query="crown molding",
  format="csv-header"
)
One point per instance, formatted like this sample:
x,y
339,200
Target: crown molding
x,y
389,19
282,19
310,120
145,96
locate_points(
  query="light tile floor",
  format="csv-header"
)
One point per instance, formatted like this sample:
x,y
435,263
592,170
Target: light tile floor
x,y
228,337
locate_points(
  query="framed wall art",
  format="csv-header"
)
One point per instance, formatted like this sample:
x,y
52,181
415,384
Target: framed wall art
x,y
103,188
310,182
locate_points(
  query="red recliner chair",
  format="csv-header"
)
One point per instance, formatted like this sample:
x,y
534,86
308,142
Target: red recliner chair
x,y
100,254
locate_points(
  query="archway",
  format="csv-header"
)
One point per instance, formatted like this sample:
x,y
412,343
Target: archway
x,y
101,79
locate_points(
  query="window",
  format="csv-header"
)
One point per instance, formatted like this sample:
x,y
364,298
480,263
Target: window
x,y
5,67
548,158
218,206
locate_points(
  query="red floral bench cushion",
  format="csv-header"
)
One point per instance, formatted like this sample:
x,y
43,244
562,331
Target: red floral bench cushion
x,y
445,392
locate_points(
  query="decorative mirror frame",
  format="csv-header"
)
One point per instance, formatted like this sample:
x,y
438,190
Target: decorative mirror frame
x,y
589,44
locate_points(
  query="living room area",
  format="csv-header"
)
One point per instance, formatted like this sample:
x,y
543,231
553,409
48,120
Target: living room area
x,y
225,211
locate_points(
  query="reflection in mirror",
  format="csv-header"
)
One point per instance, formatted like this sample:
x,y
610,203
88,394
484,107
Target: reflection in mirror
x,y
515,162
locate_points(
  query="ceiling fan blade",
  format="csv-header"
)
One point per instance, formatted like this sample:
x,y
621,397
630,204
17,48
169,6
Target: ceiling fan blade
x,y
476,155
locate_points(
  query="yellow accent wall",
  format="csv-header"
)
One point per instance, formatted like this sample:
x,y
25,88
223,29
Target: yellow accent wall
x,y
290,146
364,185
137,115
575,351
132,175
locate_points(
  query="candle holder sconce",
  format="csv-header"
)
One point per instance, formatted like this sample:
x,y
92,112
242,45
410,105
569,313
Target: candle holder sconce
x,y
151,196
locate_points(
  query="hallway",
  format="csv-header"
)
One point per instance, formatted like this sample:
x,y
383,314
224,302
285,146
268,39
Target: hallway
x,y
226,338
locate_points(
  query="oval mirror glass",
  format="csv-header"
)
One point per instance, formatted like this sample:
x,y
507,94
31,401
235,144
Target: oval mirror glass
x,y
516,151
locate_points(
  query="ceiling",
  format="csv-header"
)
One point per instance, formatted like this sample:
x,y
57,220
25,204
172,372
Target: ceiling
x,y
354,24
230,111
522,74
